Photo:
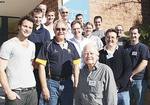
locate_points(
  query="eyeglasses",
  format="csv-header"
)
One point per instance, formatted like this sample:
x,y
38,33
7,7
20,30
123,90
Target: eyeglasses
x,y
119,29
58,29
64,12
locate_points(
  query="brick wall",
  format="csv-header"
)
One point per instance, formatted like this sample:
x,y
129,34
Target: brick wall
x,y
125,12
53,4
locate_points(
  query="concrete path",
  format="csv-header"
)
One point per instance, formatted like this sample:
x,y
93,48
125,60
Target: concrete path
x,y
2,97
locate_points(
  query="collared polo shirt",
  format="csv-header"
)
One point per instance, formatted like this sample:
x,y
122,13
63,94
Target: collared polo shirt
x,y
39,37
138,53
60,59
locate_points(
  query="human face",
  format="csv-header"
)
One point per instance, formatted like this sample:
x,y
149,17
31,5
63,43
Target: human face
x,y
25,29
60,31
43,7
50,17
37,18
77,30
64,14
134,36
90,55
111,39
80,19
120,30
98,23
88,30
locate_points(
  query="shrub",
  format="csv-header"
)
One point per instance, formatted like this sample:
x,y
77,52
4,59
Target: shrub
x,y
145,34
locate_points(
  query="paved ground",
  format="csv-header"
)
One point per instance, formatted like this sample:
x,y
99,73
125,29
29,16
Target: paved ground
x,y
2,98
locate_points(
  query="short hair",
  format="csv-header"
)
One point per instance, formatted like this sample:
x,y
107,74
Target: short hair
x,y
118,25
79,14
27,17
111,30
96,17
135,27
49,10
42,4
37,10
91,45
88,23
59,21
75,22
63,8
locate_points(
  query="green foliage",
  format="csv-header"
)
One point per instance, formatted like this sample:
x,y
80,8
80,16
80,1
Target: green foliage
x,y
145,34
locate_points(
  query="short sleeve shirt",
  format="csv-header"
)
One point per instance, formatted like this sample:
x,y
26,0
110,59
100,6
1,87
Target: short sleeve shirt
x,y
39,37
138,53
19,69
60,59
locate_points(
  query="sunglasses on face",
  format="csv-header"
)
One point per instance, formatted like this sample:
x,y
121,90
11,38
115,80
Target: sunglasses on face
x,y
119,29
58,29
64,12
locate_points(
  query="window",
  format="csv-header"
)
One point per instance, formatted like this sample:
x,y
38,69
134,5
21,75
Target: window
x,y
12,27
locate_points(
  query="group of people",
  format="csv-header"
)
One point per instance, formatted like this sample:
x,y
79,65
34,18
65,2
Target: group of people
x,y
55,62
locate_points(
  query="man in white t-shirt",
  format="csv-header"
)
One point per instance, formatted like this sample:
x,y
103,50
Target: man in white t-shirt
x,y
16,68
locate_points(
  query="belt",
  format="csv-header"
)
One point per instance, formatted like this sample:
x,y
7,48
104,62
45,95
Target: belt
x,y
57,78
23,89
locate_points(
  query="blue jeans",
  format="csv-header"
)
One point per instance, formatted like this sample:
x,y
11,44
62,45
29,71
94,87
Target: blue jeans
x,y
123,98
61,93
137,92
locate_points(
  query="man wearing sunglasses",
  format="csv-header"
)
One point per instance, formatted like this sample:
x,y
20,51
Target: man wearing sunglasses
x,y
64,13
63,63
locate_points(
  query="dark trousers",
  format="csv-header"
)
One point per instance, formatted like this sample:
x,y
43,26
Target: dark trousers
x,y
27,98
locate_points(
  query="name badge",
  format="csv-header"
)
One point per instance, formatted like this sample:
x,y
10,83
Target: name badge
x,y
92,83
134,53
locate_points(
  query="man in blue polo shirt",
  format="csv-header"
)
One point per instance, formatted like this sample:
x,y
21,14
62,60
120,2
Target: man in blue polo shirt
x,y
63,62
139,54
38,36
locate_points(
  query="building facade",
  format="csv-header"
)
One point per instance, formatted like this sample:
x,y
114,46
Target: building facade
x,y
124,12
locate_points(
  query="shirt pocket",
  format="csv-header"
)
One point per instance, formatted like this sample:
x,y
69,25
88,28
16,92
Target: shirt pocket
x,y
97,90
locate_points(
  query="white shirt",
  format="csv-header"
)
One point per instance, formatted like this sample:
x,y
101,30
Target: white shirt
x,y
79,45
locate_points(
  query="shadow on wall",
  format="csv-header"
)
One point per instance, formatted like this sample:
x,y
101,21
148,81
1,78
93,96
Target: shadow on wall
x,y
146,11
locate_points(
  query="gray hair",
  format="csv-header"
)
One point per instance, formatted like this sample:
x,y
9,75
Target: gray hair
x,y
91,45
63,9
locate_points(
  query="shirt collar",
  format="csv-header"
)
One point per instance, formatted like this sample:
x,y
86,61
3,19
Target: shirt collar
x,y
106,48
95,66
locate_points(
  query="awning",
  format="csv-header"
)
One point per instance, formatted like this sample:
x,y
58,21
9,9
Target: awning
x,y
17,8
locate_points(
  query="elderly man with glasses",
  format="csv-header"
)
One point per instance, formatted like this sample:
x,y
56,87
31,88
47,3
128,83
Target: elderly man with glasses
x,y
96,81
63,63
64,13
